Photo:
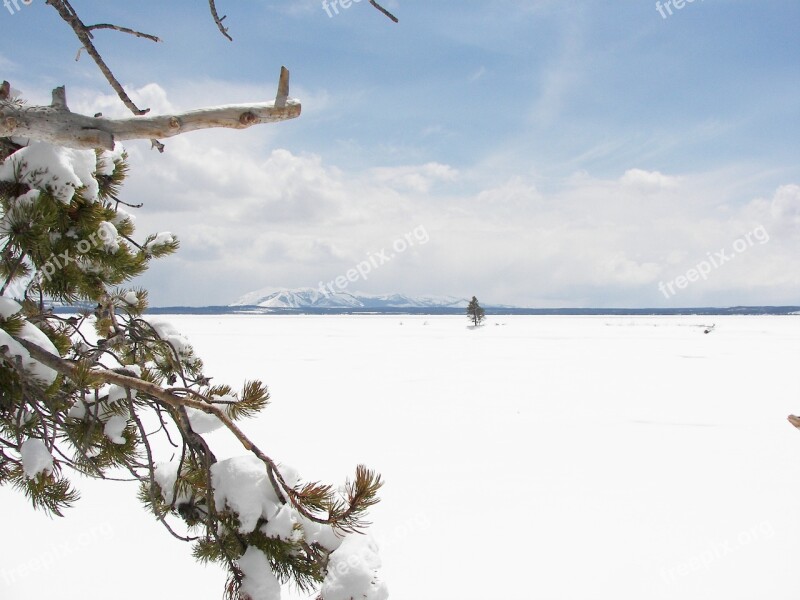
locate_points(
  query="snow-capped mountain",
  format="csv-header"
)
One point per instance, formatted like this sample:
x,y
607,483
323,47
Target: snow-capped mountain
x,y
314,298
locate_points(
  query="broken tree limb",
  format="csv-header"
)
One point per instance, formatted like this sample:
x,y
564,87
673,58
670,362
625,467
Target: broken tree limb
x,y
383,10
69,16
218,20
128,30
58,125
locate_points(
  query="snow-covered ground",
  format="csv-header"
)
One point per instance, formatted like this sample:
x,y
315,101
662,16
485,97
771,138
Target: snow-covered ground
x,y
536,457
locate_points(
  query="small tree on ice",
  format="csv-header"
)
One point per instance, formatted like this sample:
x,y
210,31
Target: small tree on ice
x,y
114,390
475,313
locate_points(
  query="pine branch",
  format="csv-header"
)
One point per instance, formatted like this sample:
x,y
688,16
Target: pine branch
x,y
70,369
88,423
361,493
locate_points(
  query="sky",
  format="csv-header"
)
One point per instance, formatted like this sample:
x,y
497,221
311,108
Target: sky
x,y
538,153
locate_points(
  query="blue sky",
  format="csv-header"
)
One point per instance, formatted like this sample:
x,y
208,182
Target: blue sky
x,y
554,153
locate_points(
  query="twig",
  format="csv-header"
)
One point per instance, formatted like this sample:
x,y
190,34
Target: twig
x,y
69,16
121,29
150,468
12,272
222,29
128,204
384,11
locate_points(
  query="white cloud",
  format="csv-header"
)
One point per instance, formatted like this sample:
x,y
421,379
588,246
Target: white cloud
x,y
250,214
414,178
292,220
647,181
786,204
514,197
151,96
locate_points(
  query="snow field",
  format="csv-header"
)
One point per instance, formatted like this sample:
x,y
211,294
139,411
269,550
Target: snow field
x,y
536,457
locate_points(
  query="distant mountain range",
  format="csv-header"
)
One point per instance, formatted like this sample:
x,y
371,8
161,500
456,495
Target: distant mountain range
x,y
313,301
305,298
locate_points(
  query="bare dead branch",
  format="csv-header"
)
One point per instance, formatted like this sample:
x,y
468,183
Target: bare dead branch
x,y
69,16
121,29
93,136
384,11
282,96
58,125
218,20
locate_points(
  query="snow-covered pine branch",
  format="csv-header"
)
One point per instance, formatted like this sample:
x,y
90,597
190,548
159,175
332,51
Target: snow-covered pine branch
x,y
110,389
58,125
113,392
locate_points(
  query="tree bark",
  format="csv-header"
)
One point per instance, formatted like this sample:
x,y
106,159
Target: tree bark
x,y
58,125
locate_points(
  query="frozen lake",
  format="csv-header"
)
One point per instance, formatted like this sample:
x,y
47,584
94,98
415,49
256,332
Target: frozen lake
x,y
547,457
